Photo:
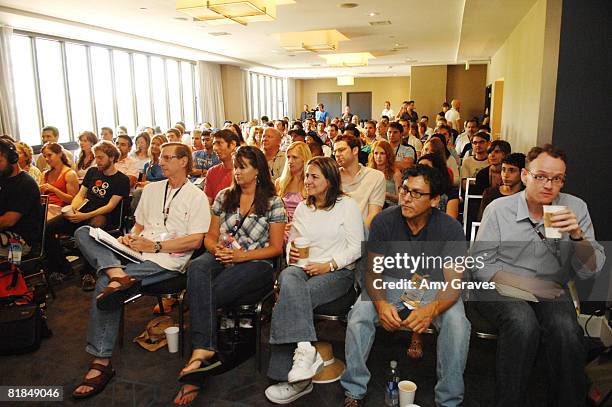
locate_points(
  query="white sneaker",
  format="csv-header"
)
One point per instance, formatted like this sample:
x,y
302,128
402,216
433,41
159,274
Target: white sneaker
x,y
285,393
307,362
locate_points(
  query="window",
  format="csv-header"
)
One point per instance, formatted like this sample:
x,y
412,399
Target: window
x,y
25,90
123,90
158,77
103,87
174,91
188,96
52,90
76,86
143,95
267,96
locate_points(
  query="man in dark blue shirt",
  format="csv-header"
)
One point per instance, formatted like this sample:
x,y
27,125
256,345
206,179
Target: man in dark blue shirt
x,y
414,228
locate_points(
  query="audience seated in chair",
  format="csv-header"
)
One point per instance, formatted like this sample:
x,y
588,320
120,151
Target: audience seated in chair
x,y
331,222
25,161
290,185
125,163
204,158
382,158
87,140
549,325
511,183
421,225
171,221
220,176
60,182
19,203
490,176
50,134
246,233
96,204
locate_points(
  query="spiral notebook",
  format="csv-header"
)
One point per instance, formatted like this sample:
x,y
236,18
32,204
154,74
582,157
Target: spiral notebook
x,y
109,241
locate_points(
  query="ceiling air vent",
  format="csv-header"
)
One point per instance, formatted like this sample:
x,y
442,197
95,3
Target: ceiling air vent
x,y
379,23
219,33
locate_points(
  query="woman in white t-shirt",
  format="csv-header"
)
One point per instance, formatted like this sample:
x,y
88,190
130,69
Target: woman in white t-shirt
x,y
332,225
141,153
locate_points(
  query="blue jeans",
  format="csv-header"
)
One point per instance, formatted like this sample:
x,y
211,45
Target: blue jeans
x,y
104,325
211,285
452,347
292,317
522,327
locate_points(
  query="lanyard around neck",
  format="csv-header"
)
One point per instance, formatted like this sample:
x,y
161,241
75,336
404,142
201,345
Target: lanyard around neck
x,y
166,209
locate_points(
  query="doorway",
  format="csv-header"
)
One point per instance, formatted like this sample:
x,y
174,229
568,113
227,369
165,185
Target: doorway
x,y
497,110
332,102
360,104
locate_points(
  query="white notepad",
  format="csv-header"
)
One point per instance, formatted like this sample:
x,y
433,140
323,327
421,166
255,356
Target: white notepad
x,y
510,291
109,241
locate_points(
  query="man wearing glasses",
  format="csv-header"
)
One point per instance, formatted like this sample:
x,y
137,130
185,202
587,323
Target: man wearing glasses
x,y
413,227
537,308
171,220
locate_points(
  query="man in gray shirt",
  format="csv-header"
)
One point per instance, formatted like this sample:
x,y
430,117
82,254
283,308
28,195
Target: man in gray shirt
x,y
516,253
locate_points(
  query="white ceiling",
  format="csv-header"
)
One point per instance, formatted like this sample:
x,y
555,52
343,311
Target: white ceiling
x,y
422,32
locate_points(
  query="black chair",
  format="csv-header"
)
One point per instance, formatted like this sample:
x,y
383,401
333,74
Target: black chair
x,y
338,309
120,225
33,265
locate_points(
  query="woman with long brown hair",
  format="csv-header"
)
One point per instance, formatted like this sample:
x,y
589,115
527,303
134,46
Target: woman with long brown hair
x,y
382,158
331,224
60,181
245,233
87,140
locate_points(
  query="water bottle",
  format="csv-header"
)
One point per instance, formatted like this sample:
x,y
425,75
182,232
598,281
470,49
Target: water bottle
x,y
392,389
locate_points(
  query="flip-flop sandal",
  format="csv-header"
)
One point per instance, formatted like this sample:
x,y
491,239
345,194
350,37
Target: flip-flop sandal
x,y
182,394
112,298
97,383
197,376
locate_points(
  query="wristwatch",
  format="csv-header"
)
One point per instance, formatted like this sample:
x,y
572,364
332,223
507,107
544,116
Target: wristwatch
x,y
157,247
581,238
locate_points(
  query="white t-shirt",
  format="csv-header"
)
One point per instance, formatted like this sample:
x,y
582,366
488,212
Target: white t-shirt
x,y
128,166
367,188
389,113
452,116
462,140
188,213
333,234
415,142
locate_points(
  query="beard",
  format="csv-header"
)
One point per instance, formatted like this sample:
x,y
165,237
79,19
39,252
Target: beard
x,y
6,173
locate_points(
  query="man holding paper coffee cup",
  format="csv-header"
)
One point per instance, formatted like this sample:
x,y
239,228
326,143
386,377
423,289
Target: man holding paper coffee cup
x,y
532,244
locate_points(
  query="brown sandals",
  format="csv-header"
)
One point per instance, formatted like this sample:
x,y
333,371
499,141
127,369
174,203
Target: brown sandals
x,y
112,298
97,383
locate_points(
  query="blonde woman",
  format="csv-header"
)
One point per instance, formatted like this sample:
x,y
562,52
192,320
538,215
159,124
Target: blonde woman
x,y
382,158
290,185
25,161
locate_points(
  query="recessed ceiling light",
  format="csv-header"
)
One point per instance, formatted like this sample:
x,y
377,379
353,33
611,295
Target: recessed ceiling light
x,y
142,8
348,5
397,44
373,14
219,33
290,55
181,18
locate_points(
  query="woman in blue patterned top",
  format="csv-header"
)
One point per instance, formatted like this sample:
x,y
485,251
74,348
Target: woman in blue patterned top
x,y
245,234
152,170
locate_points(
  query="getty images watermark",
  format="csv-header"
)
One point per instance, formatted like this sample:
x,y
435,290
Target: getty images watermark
x,y
422,266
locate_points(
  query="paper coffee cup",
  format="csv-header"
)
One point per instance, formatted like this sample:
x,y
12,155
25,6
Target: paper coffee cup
x,y
549,231
407,389
67,210
303,246
172,336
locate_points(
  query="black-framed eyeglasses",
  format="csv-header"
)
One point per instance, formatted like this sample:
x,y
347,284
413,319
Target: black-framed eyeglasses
x,y
543,179
404,190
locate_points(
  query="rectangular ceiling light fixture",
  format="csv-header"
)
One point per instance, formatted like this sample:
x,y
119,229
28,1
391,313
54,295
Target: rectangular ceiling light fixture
x,y
312,41
227,11
348,60
346,80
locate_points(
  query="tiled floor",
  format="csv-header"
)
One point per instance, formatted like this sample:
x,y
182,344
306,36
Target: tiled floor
x,y
149,378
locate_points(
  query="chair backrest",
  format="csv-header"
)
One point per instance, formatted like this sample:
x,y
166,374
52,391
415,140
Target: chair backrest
x,y
120,225
39,250
475,226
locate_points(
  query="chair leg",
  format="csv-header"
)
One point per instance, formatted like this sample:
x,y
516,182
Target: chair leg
x,y
258,341
161,305
121,327
181,317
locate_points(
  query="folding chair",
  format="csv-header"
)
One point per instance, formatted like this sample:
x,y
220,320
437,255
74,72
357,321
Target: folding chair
x,y
33,265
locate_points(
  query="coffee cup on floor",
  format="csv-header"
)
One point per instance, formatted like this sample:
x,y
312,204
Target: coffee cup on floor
x,y
303,246
549,231
407,390
172,336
